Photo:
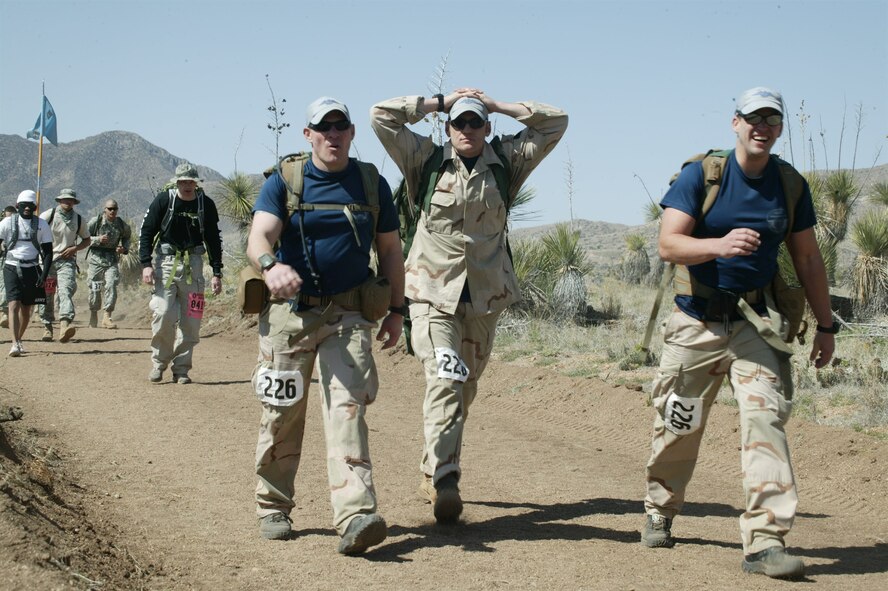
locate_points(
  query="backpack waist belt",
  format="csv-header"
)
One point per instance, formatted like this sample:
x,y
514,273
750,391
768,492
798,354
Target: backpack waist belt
x,y
350,300
166,248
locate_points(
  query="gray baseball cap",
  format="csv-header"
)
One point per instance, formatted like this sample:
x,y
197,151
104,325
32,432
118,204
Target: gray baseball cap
x,y
759,98
468,104
316,111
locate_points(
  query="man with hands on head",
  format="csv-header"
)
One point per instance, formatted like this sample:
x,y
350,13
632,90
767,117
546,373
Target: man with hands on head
x,y
459,274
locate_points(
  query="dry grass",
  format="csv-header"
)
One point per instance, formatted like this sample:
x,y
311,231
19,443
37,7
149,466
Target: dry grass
x,y
848,393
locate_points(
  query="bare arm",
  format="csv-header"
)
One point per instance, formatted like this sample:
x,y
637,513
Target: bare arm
x,y
676,245
282,280
391,264
810,270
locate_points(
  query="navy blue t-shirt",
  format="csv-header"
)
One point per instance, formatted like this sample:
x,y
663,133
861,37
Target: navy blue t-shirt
x,y
742,202
335,255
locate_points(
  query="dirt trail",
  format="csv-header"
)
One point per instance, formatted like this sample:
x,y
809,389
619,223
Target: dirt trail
x,y
553,481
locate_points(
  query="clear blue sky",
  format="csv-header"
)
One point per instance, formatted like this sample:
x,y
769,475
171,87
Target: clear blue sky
x,y
646,84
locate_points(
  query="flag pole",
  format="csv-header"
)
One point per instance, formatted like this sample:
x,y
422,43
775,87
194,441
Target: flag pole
x,y
40,144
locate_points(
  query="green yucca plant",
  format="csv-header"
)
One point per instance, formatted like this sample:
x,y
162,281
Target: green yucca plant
x,y
652,212
839,194
568,260
518,212
635,264
238,194
534,274
879,193
869,272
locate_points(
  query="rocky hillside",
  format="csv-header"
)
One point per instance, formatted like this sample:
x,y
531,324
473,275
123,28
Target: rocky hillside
x,y
115,164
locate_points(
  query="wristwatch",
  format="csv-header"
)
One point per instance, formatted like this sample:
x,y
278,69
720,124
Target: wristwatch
x,y
266,261
440,98
402,310
829,329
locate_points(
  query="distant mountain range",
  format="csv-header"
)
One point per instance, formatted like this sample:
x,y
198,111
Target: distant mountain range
x,y
113,165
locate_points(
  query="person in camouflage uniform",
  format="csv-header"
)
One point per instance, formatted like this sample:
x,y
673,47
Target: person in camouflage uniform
x,y
69,236
459,274
110,238
315,319
726,328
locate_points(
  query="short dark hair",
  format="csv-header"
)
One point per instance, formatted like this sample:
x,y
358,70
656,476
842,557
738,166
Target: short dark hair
x,y
10,209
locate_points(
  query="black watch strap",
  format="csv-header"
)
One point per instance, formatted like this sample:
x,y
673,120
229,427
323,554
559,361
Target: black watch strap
x,y
828,329
440,98
402,310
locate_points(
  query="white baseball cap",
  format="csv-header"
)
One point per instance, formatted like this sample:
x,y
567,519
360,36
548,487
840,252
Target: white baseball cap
x,y
316,111
468,104
759,98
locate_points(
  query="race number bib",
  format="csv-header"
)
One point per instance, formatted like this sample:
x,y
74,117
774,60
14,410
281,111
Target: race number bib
x,y
683,415
450,366
196,304
49,286
278,387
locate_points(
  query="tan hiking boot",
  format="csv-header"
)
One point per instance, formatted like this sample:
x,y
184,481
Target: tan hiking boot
x,y
427,490
4,320
66,331
47,333
775,563
107,322
93,318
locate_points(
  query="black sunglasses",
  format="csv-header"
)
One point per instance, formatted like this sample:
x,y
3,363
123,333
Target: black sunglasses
x,y
325,126
755,119
473,122
111,208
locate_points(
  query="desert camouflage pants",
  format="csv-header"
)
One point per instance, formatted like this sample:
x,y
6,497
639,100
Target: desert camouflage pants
x,y
175,323
695,360
348,382
65,273
103,276
447,400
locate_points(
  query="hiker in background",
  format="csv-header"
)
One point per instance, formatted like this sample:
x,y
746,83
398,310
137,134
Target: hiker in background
x,y
25,238
325,212
724,324
110,238
69,236
179,228
459,273
9,211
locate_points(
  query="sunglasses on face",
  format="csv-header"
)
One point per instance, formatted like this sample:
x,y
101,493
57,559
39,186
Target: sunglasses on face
x,y
755,119
473,122
325,126
111,208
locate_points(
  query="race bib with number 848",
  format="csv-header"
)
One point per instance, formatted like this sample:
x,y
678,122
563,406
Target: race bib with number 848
x,y
683,415
450,366
278,387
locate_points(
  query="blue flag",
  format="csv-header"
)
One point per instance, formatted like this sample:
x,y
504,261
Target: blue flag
x,y
46,124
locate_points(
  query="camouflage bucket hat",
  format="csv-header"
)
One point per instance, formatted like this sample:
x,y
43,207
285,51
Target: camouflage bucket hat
x,y
186,172
68,194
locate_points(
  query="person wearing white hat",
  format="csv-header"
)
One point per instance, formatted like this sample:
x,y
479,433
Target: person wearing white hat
x,y
179,228
459,273
25,238
69,236
727,325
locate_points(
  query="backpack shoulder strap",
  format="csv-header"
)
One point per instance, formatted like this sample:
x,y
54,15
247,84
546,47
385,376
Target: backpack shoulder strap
x,y
431,172
714,163
292,170
502,174
370,180
35,225
51,217
793,187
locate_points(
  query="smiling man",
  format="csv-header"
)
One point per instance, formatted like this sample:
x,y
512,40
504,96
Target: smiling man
x,y
724,324
110,238
459,273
